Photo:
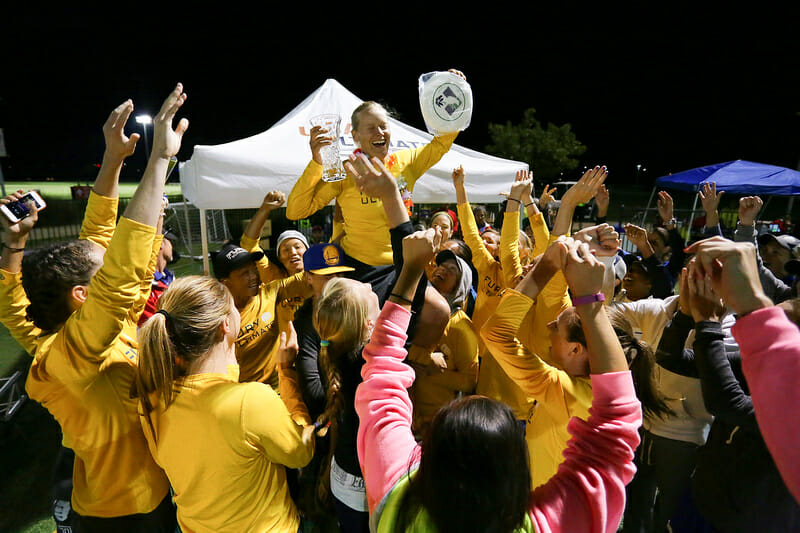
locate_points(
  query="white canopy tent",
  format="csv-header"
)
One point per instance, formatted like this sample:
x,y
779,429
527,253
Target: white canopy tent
x,y
238,174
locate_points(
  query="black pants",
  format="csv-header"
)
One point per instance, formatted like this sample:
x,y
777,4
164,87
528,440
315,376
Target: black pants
x,y
160,520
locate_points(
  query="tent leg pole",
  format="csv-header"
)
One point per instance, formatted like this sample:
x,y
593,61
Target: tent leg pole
x,y
650,201
204,241
691,219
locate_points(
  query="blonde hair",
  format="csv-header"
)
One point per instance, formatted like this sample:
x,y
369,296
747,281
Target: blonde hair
x,y
340,319
184,330
355,118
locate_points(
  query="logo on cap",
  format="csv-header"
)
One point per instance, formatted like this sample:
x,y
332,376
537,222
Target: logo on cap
x,y
331,255
235,253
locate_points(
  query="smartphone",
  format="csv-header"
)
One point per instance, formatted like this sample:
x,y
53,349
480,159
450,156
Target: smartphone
x,y
16,211
774,228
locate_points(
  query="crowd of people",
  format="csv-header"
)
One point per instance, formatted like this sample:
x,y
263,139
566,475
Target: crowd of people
x,y
454,373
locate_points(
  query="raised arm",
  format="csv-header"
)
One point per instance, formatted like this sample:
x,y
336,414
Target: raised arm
x,y
386,444
509,233
117,284
749,207
251,236
13,301
583,191
481,257
599,459
723,394
100,218
710,198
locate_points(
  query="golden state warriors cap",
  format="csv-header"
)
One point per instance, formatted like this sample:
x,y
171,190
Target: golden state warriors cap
x,y
324,259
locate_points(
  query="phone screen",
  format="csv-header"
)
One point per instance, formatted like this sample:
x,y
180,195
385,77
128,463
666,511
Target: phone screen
x,y
20,208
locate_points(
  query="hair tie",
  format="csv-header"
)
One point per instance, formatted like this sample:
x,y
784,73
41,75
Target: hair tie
x,y
162,312
324,343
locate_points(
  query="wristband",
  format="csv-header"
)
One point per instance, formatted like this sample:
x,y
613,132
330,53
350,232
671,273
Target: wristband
x,y
514,199
592,298
406,300
526,205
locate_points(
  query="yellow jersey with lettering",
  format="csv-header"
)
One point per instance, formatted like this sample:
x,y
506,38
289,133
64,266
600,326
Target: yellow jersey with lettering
x,y
366,230
257,342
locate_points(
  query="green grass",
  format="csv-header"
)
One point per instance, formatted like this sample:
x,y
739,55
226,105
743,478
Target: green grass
x,y
61,190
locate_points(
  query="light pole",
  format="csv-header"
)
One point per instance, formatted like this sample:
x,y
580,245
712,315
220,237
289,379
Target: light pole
x,y
145,120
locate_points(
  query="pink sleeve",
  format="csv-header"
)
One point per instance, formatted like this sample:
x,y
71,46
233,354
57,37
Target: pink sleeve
x,y
588,491
770,346
386,445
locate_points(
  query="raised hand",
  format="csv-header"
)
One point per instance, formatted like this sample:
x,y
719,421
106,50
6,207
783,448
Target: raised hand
x,y
733,270
584,273
749,207
522,187
118,145
709,198
603,239
603,200
586,187
273,200
166,140
371,176
458,176
319,137
546,197
15,234
288,347
420,247
665,206
638,236
704,303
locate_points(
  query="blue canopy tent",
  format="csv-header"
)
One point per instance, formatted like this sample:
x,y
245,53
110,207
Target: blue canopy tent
x,y
733,177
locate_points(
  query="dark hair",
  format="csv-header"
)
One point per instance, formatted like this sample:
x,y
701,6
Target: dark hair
x,y
48,276
640,356
474,473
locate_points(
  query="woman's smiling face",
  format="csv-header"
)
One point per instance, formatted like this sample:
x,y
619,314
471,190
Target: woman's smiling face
x,y
373,134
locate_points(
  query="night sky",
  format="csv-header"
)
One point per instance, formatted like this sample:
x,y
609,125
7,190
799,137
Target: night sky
x,y
669,89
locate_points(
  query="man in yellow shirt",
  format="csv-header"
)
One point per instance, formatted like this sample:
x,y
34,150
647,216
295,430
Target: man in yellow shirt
x,y
85,351
263,308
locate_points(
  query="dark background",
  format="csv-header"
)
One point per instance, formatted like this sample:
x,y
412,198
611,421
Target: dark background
x,y
669,89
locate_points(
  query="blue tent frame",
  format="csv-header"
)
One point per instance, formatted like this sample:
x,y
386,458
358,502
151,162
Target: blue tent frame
x,y
734,177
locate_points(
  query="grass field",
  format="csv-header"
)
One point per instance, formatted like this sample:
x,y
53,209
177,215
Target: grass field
x,y
61,190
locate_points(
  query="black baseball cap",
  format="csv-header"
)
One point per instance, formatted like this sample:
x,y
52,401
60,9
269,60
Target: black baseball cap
x,y
230,257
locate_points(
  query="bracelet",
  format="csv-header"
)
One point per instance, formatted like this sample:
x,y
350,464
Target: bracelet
x,y
592,298
509,198
406,300
16,250
526,205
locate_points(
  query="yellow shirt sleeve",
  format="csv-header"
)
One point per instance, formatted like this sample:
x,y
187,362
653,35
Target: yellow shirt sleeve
x,y
310,193
481,257
291,396
13,311
90,330
267,271
268,425
541,234
99,220
417,161
538,379
509,250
